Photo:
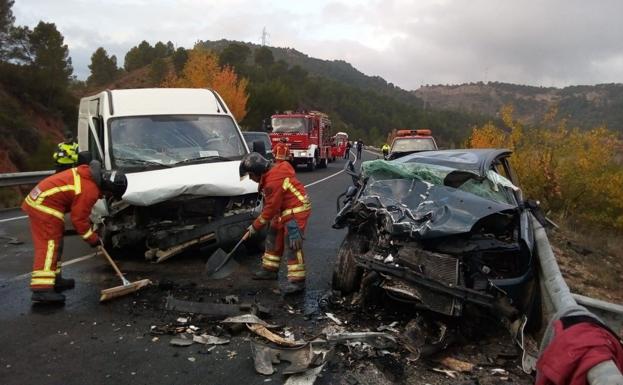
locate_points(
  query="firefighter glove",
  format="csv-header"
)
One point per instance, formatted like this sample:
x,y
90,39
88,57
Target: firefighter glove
x,y
251,230
294,235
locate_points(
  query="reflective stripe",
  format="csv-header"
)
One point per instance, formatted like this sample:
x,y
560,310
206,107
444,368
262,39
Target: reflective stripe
x,y
266,263
296,267
271,257
53,191
296,210
87,234
42,281
298,274
49,256
289,186
77,181
299,256
43,274
45,209
262,220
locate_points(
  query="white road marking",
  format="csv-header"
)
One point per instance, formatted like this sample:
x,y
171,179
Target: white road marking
x,y
13,219
330,176
64,264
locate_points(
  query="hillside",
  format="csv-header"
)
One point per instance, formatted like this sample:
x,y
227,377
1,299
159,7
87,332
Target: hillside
x,y
583,106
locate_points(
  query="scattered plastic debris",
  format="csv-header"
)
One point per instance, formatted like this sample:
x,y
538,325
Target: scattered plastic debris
x,y
176,341
264,332
449,373
456,365
248,319
333,318
207,339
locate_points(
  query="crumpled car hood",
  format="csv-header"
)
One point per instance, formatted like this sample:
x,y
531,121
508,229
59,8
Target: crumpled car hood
x,y
206,179
436,211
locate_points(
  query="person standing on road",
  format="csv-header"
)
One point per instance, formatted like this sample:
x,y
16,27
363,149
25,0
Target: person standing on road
x,y
347,151
359,148
72,191
286,208
66,154
281,151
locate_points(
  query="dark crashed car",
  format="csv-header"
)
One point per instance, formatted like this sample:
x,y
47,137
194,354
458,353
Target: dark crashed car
x,y
440,229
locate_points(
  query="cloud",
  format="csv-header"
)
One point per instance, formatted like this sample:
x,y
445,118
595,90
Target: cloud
x,y
407,42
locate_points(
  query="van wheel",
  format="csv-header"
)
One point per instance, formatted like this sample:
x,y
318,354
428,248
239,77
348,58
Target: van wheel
x,y
323,163
346,274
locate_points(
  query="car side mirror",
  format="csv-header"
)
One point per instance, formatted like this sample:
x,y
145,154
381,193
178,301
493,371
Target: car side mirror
x,y
259,147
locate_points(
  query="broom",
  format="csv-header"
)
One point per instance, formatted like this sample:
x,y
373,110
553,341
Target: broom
x,y
127,287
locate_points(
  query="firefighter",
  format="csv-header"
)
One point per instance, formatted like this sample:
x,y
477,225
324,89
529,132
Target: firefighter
x,y
347,151
286,208
281,150
72,191
66,154
385,150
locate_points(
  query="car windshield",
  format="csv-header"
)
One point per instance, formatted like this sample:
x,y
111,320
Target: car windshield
x,y
292,125
397,182
413,144
251,137
168,140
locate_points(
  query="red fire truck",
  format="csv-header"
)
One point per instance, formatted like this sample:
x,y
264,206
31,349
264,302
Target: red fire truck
x,y
308,135
338,148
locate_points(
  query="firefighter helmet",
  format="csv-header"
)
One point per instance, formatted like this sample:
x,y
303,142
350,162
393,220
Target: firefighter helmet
x,y
253,163
114,182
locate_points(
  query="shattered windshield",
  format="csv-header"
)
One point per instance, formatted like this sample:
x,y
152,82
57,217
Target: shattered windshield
x,y
408,183
292,125
167,140
413,144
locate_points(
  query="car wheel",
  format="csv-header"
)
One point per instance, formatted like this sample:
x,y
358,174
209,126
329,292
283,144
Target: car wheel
x,y
346,273
311,166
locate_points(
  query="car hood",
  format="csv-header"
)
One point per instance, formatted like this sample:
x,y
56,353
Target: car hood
x,y
207,179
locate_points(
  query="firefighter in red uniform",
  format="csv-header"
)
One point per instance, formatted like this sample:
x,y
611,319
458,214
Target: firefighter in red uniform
x,y
281,151
72,191
286,208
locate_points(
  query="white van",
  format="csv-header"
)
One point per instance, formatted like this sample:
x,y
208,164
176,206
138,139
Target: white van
x,y
180,150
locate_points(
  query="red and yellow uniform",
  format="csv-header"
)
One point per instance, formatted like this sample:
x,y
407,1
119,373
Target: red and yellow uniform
x,y
284,199
72,190
281,151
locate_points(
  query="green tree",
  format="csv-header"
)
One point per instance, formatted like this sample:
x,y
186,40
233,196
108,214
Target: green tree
x,y
264,57
103,68
139,56
158,70
6,24
235,55
180,56
51,61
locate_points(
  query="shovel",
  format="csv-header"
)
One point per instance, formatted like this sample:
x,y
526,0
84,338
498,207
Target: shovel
x,y
127,287
218,259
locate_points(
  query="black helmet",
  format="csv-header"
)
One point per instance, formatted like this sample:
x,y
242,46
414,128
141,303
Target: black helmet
x,y
253,163
114,182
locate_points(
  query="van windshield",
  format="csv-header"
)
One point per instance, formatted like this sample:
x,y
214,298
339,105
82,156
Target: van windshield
x,y
168,140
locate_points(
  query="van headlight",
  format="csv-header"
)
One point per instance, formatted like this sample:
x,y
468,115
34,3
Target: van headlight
x,y
303,153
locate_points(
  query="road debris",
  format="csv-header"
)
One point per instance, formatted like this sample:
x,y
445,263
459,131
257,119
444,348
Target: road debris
x,y
378,340
264,332
177,341
449,373
211,310
248,319
300,358
333,318
456,365
207,339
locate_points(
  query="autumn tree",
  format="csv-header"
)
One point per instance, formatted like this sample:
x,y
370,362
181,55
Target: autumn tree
x,y
103,68
202,70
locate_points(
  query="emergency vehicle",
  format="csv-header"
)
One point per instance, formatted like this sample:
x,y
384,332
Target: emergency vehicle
x,y
340,141
409,141
307,133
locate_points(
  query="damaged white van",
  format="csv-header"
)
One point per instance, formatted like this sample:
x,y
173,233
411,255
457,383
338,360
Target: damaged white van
x,y
180,150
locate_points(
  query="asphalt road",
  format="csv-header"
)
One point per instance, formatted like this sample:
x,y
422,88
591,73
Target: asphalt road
x,y
85,342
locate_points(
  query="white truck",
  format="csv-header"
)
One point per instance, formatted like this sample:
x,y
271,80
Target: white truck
x,y
180,150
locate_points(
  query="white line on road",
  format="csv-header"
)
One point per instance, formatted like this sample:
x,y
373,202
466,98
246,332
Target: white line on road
x,y
13,219
330,176
64,264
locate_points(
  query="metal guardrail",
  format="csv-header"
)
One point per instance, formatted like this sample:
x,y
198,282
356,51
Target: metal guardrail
x,y
19,178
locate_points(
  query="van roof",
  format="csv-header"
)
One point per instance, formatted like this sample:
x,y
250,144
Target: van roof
x,y
164,101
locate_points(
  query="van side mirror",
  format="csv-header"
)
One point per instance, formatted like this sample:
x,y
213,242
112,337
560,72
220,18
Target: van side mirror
x,y
259,147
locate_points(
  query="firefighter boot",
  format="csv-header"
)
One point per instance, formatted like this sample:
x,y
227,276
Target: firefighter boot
x,y
62,284
48,296
265,275
293,287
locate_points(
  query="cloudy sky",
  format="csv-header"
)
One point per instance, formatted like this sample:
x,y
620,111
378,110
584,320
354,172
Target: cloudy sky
x,y
408,43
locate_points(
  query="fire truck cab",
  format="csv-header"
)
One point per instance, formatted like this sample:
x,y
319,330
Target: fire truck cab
x,y
308,135
339,144
409,141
